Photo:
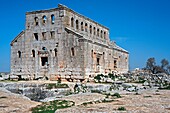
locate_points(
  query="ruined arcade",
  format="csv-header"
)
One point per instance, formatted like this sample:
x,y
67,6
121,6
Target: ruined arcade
x,y
60,43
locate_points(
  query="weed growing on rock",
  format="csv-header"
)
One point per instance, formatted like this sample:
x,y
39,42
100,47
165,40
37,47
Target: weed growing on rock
x,y
121,109
52,106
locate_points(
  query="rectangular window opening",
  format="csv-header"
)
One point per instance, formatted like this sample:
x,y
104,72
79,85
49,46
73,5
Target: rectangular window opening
x,y
44,61
36,36
98,61
44,35
52,34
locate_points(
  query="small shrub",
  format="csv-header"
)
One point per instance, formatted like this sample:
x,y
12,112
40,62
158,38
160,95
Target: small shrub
x,y
112,76
86,103
147,96
106,100
98,77
165,88
95,91
121,109
117,95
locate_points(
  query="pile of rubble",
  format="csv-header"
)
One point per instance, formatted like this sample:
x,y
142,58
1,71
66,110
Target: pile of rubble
x,y
135,81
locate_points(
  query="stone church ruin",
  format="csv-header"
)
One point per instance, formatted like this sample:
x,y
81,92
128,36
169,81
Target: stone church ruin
x,y
61,44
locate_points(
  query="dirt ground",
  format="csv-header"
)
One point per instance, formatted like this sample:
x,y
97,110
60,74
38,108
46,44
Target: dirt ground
x,y
147,102
14,103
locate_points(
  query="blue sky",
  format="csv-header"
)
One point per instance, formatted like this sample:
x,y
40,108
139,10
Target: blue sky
x,y
140,26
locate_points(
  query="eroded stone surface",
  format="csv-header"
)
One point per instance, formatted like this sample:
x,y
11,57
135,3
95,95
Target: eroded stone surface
x,y
62,44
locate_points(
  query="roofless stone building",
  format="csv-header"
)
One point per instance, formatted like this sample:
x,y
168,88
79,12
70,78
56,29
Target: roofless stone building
x,y
60,43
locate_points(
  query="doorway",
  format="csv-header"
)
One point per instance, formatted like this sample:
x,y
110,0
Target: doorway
x,y
44,61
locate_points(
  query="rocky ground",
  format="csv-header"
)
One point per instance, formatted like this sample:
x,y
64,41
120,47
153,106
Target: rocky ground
x,y
140,92
14,103
147,102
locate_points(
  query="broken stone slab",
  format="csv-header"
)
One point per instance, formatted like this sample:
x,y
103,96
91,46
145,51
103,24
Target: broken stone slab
x,y
131,89
146,83
1,79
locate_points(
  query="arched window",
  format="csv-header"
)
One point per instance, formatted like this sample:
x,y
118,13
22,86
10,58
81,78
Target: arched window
x,y
33,53
92,53
72,22
97,32
72,51
19,54
44,19
85,27
36,21
90,29
44,48
104,35
101,34
77,24
82,28
94,31
55,52
52,19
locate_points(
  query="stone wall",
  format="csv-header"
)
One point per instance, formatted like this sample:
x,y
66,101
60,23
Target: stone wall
x,y
60,43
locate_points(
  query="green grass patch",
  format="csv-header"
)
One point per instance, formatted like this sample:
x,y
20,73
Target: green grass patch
x,y
116,95
58,85
86,103
147,96
121,109
52,106
165,88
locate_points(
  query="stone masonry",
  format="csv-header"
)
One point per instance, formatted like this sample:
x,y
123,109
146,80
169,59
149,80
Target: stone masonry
x,y
62,44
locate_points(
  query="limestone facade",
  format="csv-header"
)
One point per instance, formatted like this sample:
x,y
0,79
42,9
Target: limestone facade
x,y
60,43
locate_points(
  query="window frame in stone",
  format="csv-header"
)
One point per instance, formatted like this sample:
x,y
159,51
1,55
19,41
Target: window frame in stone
x,y
77,24
98,32
36,36
72,51
72,22
33,53
104,35
90,29
86,27
52,34
55,52
94,31
52,19
19,54
44,36
82,27
101,34
44,19
36,21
